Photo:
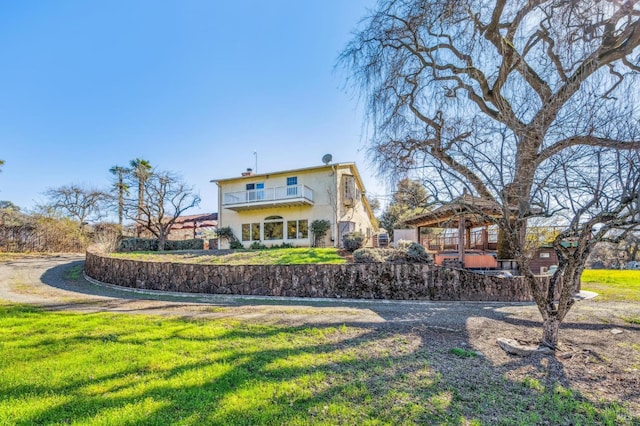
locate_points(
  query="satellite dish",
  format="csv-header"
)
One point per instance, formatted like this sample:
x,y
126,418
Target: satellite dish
x,y
326,159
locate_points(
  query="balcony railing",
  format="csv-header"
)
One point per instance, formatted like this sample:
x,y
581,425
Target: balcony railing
x,y
292,194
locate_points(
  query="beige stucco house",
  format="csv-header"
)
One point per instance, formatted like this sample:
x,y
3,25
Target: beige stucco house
x,y
274,208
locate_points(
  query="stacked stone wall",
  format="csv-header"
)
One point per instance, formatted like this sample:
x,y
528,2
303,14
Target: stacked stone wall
x,y
391,281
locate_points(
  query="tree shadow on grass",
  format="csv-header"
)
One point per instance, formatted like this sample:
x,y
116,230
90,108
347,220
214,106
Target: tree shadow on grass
x,y
251,374
427,384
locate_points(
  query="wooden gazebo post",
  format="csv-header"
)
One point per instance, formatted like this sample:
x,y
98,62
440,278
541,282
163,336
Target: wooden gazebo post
x,y
485,239
461,242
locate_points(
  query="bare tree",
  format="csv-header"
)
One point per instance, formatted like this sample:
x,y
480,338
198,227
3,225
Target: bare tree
x,y
529,105
375,205
166,198
77,202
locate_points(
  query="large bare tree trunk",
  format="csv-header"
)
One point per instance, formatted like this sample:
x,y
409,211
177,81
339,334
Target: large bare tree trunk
x,y
550,329
505,249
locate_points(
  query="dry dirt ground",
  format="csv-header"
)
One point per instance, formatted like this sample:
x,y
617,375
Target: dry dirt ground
x,y
599,355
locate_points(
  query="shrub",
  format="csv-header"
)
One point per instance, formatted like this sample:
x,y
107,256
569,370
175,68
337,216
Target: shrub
x,y
193,244
319,228
151,244
106,240
416,253
404,244
367,255
352,241
398,255
138,244
257,245
283,246
226,232
235,245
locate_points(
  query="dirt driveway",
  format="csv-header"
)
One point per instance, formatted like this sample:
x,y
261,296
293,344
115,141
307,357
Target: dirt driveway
x,y
600,342
40,281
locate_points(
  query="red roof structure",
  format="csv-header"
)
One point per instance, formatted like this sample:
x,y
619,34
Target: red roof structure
x,y
196,221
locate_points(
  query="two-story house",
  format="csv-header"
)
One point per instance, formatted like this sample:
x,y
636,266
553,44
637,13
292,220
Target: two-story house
x,y
274,208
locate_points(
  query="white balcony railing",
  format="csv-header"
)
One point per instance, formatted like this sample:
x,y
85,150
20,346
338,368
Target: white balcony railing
x,y
278,193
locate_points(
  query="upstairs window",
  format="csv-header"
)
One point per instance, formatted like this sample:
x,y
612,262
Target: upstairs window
x,y
349,189
292,186
255,191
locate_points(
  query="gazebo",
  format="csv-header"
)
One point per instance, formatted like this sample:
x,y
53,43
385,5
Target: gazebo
x,y
463,248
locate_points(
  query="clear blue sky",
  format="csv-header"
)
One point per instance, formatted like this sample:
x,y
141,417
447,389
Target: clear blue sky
x,y
192,86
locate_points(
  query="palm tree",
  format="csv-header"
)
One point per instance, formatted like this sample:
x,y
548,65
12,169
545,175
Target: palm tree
x,y
122,188
141,170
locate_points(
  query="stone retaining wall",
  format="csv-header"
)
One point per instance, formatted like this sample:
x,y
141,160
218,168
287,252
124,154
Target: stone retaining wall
x,y
355,280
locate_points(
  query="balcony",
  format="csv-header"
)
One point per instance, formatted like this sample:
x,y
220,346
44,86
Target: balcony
x,y
279,196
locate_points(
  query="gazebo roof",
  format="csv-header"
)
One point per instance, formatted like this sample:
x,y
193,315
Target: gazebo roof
x,y
475,211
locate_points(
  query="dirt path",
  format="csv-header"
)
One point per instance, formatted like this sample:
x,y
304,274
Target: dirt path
x,y
600,342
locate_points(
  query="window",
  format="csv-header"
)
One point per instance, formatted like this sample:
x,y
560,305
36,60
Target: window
x,y
297,229
255,191
273,228
349,187
250,232
292,186
303,229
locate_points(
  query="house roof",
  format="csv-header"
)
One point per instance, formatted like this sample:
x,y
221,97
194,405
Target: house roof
x,y
291,171
476,211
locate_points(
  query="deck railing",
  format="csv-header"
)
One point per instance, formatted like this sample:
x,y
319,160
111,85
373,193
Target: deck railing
x,y
278,193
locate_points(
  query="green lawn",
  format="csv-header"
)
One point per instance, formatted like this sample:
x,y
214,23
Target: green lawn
x,y
286,256
107,369
612,285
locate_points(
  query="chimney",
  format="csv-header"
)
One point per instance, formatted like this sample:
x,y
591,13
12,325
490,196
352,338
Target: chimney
x,y
249,172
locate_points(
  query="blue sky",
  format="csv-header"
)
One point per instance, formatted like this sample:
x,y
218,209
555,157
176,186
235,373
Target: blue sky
x,y
192,86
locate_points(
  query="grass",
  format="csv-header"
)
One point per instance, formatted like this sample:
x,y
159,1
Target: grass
x,y
73,273
463,353
612,285
291,256
101,369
